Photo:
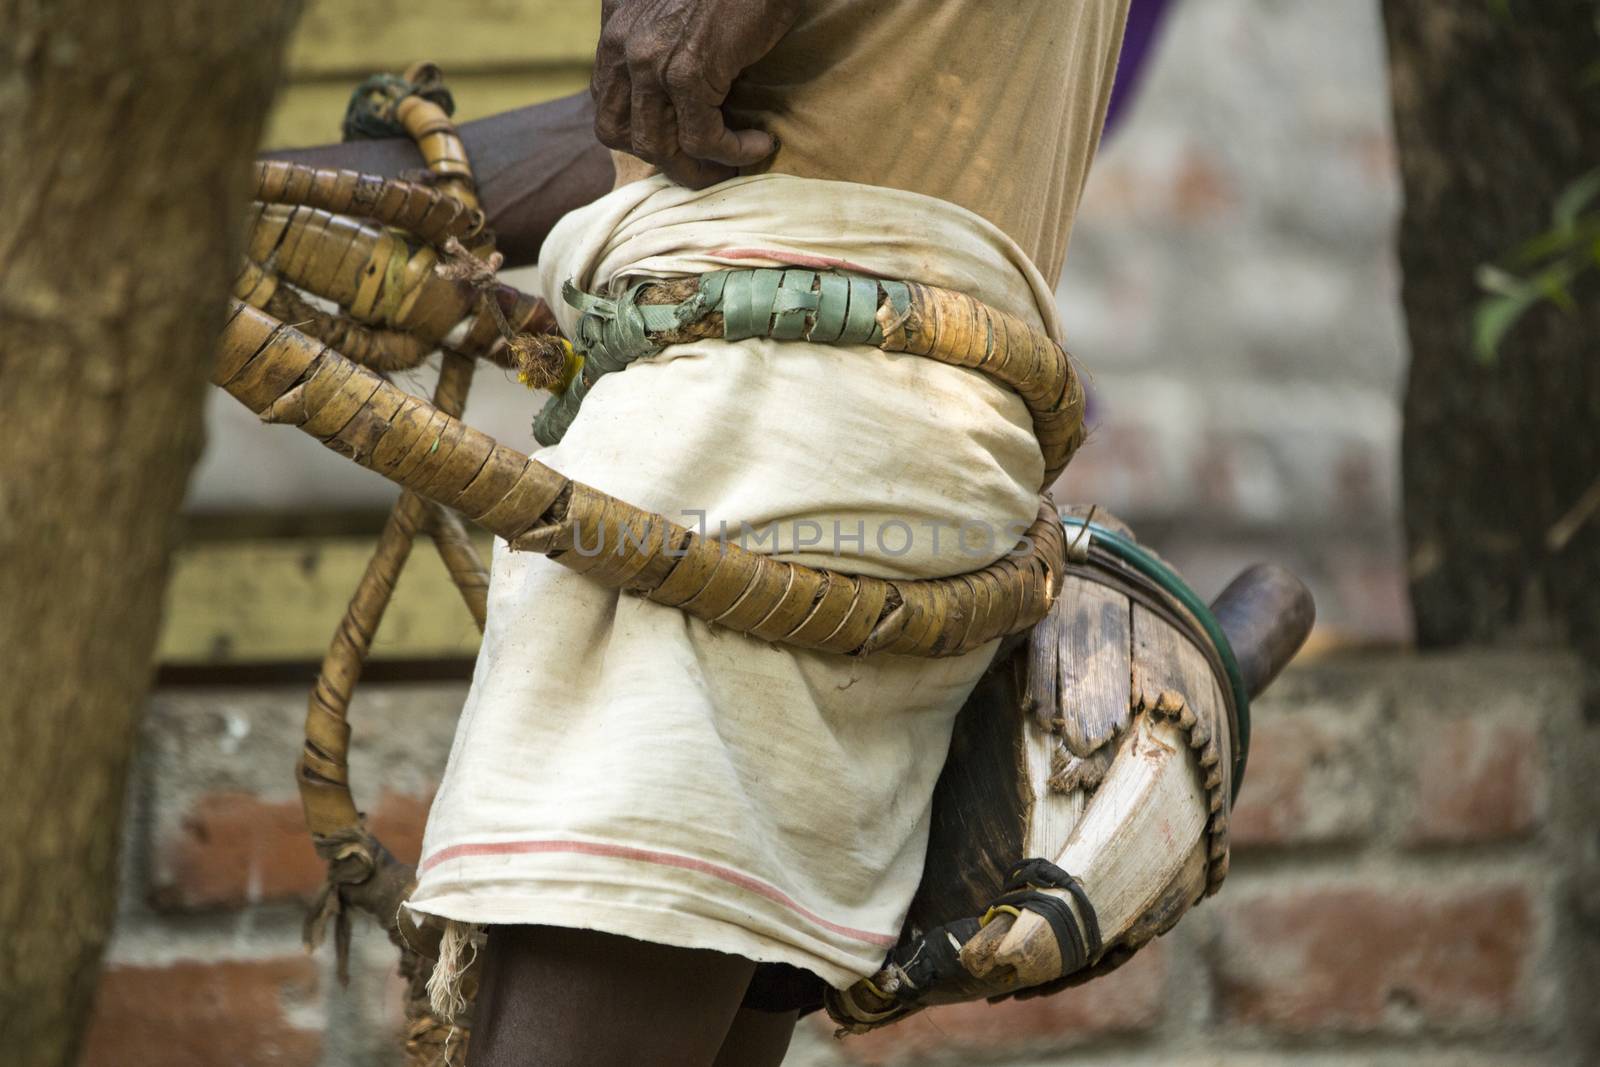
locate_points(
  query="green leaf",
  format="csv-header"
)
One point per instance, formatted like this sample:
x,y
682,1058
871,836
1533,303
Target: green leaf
x,y
1553,282
1574,198
1500,282
1558,242
1511,297
1559,295
1493,319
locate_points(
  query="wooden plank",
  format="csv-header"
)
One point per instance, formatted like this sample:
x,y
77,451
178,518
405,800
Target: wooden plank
x,y
1092,646
309,113
1140,827
362,36
1095,672
1163,659
271,601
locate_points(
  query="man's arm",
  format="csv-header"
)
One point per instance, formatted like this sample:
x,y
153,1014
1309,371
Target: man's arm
x,y
662,71
533,165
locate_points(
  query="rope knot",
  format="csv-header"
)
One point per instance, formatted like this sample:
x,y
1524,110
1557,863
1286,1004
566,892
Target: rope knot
x,y
457,264
542,361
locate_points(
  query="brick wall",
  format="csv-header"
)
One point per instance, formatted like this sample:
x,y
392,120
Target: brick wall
x,y
1412,883
1232,292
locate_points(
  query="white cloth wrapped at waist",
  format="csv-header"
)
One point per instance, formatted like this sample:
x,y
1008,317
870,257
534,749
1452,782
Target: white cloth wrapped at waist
x,y
621,766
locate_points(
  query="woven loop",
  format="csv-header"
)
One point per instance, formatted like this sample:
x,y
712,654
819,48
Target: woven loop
x,y
370,114
614,333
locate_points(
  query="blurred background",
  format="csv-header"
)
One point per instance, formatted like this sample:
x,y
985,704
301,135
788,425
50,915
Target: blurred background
x,y
1398,892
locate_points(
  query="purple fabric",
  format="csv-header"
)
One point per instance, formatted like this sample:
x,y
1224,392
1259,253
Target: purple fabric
x,y
1144,24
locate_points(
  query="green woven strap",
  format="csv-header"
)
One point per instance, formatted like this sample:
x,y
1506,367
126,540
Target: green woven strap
x,y
818,307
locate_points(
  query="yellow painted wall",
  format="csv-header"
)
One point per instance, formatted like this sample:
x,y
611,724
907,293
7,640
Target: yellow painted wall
x,y
279,600
266,600
496,55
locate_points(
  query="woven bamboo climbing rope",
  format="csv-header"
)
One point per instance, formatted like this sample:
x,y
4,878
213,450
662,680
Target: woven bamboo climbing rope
x,y
410,268
287,377
353,239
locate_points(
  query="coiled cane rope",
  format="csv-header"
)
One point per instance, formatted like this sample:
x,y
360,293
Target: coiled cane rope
x,y
344,236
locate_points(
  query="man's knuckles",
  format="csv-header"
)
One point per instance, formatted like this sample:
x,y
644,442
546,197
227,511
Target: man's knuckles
x,y
611,129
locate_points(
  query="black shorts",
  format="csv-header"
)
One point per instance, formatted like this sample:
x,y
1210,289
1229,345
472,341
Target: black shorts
x,y
782,987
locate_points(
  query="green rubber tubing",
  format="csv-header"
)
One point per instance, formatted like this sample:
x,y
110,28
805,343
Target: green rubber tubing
x,y
1135,556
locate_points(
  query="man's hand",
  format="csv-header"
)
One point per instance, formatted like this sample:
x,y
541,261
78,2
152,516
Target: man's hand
x,y
662,71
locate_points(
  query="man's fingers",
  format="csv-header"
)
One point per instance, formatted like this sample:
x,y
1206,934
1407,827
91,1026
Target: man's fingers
x,y
663,69
655,139
703,134
612,92
668,120
652,128
695,173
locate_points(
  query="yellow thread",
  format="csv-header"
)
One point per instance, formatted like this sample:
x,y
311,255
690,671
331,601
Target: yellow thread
x,y
573,365
996,910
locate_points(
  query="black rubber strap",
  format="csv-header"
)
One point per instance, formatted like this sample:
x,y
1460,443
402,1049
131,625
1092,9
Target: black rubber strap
x,y
932,961
1024,890
1058,913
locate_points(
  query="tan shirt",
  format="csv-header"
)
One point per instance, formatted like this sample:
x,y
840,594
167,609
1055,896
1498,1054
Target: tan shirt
x,y
995,105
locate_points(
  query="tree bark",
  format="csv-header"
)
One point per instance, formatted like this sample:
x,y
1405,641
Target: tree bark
x,y
1495,113
128,129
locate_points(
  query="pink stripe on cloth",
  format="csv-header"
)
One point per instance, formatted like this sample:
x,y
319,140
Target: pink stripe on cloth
x,y
665,859
794,259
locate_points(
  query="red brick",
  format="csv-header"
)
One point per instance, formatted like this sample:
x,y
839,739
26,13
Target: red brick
x,y
1364,960
1128,1000
235,849
1200,188
1478,779
193,1014
1310,780
398,821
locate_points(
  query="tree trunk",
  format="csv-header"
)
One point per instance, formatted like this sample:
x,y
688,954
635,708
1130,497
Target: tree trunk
x,y
127,132
1495,113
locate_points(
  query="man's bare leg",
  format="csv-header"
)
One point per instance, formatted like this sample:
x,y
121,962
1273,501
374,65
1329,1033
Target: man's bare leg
x,y
757,1039
554,997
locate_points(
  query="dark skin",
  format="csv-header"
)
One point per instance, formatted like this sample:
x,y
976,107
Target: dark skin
x,y
664,69
533,165
552,996
576,998
662,72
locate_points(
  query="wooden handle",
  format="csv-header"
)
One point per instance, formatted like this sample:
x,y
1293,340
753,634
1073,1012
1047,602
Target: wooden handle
x,y
1267,614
